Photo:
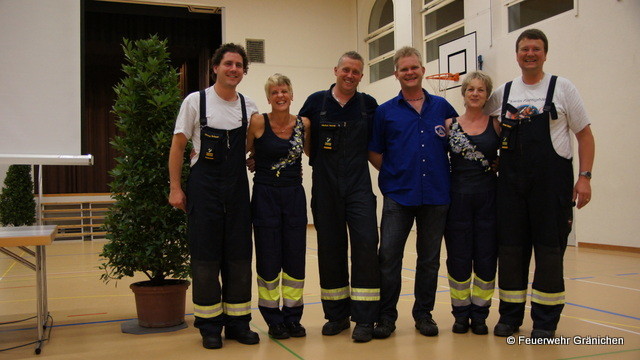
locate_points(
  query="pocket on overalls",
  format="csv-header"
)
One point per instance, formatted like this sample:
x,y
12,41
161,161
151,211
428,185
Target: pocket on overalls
x,y
329,136
213,145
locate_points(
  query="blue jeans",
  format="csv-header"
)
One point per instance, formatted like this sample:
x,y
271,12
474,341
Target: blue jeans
x,y
397,221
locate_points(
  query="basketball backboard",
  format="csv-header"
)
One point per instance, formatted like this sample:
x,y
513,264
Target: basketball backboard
x,y
458,56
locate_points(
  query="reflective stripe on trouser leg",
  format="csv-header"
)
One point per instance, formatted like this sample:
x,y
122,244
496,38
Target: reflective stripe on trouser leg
x,y
237,309
292,290
334,294
269,300
482,292
546,309
207,312
362,294
293,303
513,296
547,298
460,292
269,292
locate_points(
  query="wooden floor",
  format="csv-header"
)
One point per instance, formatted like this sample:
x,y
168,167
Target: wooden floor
x,y
603,299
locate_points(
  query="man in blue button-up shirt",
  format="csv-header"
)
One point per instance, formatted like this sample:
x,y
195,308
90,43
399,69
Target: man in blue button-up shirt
x,y
409,147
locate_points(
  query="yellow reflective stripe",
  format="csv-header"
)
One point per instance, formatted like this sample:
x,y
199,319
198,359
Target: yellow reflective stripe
x,y
547,298
269,292
482,291
513,296
363,294
334,294
291,281
237,309
459,291
292,290
207,311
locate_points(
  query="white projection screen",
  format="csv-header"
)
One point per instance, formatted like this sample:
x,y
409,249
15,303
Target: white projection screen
x,y
40,98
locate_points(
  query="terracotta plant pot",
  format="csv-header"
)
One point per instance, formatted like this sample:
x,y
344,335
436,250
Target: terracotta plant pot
x,y
160,306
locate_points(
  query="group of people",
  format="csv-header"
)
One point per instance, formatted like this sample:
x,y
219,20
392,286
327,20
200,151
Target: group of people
x,y
436,169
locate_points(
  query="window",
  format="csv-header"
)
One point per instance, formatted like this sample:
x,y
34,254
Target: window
x,y
443,21
380,40
526,12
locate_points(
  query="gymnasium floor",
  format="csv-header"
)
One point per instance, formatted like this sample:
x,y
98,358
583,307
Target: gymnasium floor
x,y
603,299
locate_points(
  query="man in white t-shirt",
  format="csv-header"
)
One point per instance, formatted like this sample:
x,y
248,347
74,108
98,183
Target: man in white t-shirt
x,y
217,200
536,191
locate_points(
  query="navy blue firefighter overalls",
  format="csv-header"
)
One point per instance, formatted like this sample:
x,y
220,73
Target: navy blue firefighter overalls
x,y
534,204
219,228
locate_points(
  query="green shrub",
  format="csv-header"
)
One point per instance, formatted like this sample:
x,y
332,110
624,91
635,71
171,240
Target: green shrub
x,y
145,233
17,205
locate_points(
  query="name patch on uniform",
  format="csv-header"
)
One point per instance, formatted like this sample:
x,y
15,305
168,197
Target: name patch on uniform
x,y
439,129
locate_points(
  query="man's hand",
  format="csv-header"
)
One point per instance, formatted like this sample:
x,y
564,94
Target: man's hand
x,y
582,192
251,164
178,199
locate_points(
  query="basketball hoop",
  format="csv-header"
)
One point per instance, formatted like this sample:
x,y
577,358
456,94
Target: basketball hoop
x,y
440,82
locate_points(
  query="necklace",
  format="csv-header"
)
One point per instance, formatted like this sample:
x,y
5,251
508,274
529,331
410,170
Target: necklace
x,y
416,99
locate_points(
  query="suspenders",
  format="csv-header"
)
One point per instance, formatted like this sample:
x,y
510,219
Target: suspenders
x,y
509,124
203,109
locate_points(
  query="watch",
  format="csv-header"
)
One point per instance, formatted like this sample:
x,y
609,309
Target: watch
x,y
586,174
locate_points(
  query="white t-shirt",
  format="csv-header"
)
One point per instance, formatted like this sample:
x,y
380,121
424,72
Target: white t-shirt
x,y
530,99
221,114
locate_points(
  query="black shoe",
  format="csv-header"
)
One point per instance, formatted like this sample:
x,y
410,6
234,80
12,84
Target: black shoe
x,y
335,327
278,331
505,330
461,325
384,329
243,336
427,326
212,341
540,334
479,327
362,332
295,329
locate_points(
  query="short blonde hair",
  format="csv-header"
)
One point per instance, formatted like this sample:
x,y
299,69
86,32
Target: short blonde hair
x,y
480,75
277,79
406,52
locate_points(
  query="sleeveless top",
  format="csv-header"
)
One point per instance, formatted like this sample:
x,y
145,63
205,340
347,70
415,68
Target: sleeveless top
x,y
471,157
279,161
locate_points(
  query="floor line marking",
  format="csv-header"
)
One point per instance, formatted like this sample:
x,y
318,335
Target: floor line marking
x,y
277,341
603,284
604,323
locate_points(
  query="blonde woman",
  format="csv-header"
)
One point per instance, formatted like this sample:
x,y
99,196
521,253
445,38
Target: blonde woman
x,y
279,210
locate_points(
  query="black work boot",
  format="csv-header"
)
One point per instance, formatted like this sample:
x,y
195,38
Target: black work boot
x,y
505,330
295,329
479,327
243,335
335,327
427,326
212,341
278,331
362,332
461,325
384,329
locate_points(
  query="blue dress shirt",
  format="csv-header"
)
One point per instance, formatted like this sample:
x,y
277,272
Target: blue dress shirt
x,y
415,165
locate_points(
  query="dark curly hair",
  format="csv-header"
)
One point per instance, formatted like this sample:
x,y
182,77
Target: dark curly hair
x,y
216,59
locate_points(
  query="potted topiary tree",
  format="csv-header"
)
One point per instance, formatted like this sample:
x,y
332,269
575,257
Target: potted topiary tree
x,y
17,205
145,233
